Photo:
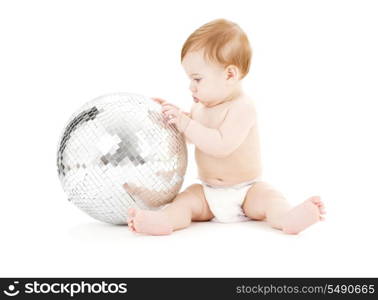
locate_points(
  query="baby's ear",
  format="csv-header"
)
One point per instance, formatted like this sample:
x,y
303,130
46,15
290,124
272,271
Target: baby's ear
x,y
232,72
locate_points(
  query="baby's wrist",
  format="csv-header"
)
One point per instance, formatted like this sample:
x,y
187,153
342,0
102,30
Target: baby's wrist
x,y
183,122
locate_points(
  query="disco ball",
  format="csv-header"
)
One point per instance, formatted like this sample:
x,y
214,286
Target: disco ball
x,y
116,152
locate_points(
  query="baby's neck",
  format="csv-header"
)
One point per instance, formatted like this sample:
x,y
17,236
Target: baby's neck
x,y
237,93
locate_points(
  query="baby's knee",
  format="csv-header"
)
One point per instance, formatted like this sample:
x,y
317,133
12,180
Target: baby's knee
x,y
198,202
195,189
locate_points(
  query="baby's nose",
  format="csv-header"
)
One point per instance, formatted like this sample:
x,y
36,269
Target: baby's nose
x,y
192,88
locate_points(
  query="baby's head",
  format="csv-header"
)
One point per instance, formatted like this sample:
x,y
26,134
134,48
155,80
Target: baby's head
x,y
216,57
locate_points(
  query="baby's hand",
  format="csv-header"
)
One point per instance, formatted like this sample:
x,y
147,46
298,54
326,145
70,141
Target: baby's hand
x,y
173,114
159,101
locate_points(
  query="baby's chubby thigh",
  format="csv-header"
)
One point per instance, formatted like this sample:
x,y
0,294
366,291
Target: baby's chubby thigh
x,y
200,208
261,198
256,200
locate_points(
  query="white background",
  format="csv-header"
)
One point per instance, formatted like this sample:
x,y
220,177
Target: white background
x,y
314,78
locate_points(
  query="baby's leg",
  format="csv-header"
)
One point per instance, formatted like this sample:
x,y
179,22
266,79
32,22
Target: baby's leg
x,y
190,205
264,202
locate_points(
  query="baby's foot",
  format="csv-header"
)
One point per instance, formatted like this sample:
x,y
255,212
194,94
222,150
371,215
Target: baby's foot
x,y
149,222
304,215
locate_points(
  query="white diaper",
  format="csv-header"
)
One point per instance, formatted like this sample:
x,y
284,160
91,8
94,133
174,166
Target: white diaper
x,y
226,202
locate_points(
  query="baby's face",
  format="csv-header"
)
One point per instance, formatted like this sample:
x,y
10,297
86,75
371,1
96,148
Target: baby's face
x,y
208,81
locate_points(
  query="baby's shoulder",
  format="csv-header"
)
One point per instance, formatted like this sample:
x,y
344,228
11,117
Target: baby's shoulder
x,y
244,103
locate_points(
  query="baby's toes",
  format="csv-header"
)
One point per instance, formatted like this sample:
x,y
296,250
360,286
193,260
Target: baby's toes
x,y
321,207
316,200
130,218
322,210
131,226
319,203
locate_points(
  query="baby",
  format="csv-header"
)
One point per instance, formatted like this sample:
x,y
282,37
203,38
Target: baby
x,y
222,126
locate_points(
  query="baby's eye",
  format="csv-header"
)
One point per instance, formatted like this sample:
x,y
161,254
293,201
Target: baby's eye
x,y
197,79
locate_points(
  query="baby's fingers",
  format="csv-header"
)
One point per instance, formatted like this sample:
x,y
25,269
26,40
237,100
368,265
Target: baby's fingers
x,y
169,107
170,112
159,100
166,107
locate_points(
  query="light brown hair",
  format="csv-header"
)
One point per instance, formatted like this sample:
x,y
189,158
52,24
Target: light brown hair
x,y
223,42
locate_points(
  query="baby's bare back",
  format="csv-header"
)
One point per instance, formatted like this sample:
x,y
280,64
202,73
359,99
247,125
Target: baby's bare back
x,y
243,164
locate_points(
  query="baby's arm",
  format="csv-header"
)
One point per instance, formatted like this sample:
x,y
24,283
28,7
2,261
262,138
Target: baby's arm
x,y
222,141
190,115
